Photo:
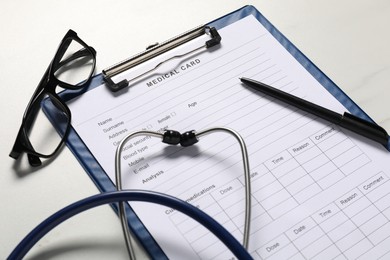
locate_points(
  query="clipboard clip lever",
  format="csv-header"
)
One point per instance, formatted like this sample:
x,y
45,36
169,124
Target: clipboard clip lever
x,y
155,50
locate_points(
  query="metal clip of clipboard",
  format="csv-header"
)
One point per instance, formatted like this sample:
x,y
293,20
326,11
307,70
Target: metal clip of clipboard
x,y
156,50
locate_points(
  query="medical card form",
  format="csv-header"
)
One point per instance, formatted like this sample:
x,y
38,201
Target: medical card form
x,y
318,191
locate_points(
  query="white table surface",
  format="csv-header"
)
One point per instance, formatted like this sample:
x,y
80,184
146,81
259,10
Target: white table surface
x,y
348,40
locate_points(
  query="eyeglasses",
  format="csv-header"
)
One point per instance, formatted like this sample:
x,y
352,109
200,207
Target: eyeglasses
x,y
71,68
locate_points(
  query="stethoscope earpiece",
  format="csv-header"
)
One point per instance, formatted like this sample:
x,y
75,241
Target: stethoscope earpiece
x,y
186,139
121,196
173,137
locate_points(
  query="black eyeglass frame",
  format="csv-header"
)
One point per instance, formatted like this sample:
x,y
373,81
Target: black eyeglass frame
x,y
47,87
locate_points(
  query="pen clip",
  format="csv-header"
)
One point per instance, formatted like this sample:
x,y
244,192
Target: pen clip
x,y
156,50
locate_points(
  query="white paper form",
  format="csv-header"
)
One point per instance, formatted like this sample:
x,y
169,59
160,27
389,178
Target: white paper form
x,y
318,191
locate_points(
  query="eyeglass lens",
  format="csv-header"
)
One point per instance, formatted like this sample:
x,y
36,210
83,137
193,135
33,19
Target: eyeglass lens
x,y
76,65
72,66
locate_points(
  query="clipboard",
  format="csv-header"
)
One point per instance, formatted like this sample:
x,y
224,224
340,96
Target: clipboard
x,y
92,166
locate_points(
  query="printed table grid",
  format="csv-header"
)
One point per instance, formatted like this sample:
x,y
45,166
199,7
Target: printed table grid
x,y
340,232
281,184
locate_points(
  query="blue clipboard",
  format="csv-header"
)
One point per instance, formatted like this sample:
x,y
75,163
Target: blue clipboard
x,y
101,179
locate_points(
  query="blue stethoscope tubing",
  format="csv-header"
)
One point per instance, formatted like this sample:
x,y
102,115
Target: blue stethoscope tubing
x,y
128,195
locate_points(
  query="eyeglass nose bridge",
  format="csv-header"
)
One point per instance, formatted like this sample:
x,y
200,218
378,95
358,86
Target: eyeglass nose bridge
x,y
47,88
22,143
51,84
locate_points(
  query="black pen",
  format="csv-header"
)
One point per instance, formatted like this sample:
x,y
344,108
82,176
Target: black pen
x,y
348,121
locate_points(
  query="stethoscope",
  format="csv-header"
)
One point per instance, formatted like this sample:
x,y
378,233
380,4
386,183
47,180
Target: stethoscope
x,y
122,196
